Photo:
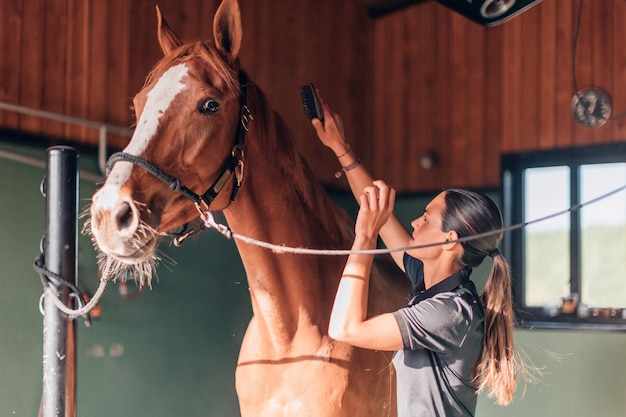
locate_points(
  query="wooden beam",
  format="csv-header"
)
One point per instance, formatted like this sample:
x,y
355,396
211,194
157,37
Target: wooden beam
x,y
387,7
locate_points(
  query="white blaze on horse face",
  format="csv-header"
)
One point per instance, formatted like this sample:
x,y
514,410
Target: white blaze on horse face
x,y
158,101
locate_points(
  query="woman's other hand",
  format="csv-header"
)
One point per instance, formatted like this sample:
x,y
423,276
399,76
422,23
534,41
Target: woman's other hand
x,y
376,206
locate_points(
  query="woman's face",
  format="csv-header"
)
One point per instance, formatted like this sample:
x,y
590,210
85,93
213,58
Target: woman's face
x,y
427,229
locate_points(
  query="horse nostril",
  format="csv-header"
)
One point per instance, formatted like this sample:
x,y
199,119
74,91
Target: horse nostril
x,y
125,217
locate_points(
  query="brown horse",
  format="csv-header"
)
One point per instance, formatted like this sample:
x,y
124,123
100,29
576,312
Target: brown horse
x,y
202,123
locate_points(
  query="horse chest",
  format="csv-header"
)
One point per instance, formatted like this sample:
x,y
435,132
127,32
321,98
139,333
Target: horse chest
x,y
291,387
321,379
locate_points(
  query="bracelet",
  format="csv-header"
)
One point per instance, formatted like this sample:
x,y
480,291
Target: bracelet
x,y
347,168
346,152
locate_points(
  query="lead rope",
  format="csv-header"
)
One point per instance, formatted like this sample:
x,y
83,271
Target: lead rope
x,y
209,222
84,309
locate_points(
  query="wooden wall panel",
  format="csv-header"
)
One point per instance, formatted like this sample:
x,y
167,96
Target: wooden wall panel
x,y
511,97
77,76
618,17
10,49
602,39
143,48
619,70
390,106
31,62
425,78
53,77
118,103
493,116
564,123
439,131
499,89
325,42
529,77
97,59
455,155
547,72
87,59
421,27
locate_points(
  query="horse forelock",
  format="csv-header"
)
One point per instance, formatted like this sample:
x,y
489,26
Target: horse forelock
x,y
197,53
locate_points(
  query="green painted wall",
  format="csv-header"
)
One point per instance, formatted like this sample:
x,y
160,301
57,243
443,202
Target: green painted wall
x,y
172,352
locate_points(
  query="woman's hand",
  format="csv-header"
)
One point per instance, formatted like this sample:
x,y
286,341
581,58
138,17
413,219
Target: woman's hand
x,y
349,320
331,132
376,206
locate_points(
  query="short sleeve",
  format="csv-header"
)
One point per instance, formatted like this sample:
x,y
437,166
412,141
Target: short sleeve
x,y
440,323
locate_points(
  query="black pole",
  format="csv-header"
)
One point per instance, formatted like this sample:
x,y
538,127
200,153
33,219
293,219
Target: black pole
x,y
59,359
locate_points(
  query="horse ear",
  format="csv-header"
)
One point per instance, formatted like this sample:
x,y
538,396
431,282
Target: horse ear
x,y
227,30
167,38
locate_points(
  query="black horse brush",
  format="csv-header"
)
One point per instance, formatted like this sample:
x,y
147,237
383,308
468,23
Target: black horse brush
x,y
311,103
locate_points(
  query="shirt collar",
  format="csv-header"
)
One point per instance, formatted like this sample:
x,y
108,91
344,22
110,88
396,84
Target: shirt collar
x,y
449,284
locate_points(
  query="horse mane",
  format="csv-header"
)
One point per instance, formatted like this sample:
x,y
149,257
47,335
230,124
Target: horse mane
x,y
335,222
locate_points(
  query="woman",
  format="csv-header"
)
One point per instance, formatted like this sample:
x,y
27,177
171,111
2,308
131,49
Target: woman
x,y
450,342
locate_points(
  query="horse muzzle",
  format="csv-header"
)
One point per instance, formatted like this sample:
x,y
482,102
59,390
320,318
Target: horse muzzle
x,y
118,230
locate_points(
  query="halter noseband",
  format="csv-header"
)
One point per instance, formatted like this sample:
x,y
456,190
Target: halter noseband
x,y
234,164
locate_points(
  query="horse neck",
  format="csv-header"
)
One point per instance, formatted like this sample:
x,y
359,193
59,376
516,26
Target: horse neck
x,y
286,290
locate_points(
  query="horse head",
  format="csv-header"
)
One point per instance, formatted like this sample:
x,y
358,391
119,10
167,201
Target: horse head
x,y
186,152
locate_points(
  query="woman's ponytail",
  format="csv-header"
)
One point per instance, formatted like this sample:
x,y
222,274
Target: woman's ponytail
x,y
498,365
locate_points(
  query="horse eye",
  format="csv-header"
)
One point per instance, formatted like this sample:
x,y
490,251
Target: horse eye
x,y
208,106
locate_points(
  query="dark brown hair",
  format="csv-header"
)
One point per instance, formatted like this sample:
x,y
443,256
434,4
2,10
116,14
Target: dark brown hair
x,y
471,213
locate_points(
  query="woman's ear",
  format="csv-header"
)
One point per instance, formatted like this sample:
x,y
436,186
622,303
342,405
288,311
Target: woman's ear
x,y
451,240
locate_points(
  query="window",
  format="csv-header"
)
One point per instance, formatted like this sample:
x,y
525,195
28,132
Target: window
x,y
568,261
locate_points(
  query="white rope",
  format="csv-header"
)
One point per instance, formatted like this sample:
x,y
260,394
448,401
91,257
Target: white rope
x,y
84,310
209,222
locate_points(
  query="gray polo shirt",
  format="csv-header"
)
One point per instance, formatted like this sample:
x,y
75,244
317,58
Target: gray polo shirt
x,y
442,337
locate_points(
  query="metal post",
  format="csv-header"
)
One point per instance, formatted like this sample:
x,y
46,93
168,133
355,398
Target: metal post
x,y
60,244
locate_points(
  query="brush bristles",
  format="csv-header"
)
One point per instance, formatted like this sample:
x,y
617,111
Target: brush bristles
x,y
310,103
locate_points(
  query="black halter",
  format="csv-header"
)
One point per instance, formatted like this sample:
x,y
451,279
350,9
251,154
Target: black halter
x,y
234,164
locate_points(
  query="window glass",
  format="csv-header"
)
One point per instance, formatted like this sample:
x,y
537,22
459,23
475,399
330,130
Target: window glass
x,y
566,211
603,235
546,243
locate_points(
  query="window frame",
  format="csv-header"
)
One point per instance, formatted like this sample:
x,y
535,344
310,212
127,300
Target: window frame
x,y
513,166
